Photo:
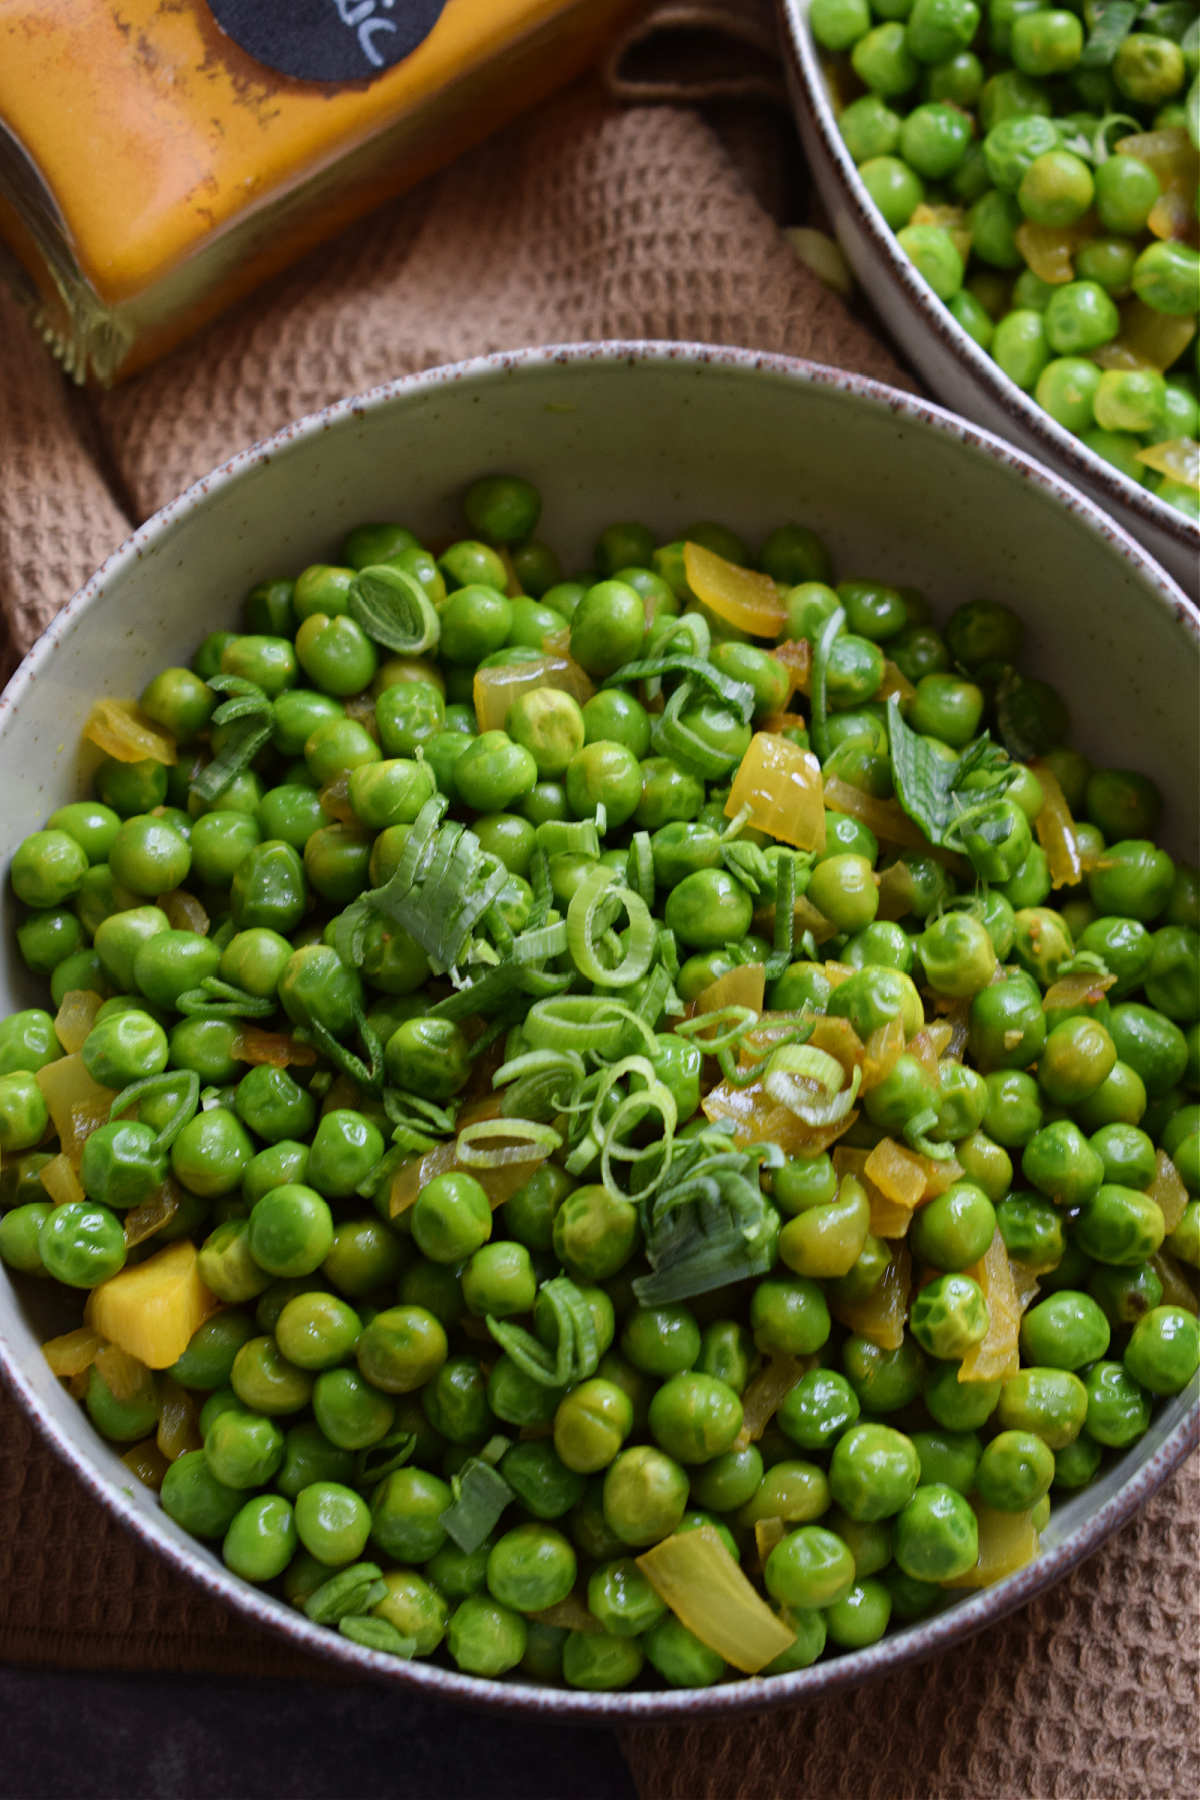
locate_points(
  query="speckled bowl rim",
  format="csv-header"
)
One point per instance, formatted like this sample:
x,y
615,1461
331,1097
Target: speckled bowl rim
x,y
566,1704
1057,444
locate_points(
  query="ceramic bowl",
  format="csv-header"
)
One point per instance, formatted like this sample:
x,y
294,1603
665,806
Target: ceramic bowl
x,y
664,433
947,359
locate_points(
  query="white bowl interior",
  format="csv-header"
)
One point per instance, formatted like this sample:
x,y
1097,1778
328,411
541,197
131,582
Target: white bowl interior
x,y
899,491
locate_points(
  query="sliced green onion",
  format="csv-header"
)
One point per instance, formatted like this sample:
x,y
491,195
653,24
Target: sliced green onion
x,y
671,737
738,823
785,918
543,893
380,1460
393,608
150,1085
215,999
377,1634
346,1594
480,1496
785,1088
914,1136
655,1098
559,837
812,1064
743,1018
537,1062
639,871
587,1024
668,953
534,1143
538,945
820,680
586,902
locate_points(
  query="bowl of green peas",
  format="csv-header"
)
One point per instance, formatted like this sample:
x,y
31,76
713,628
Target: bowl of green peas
x,y
599,1068
1014,185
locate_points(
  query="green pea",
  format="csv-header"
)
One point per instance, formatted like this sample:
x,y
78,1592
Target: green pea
x,y
959,1405
672,795
1126,190
874,996
810,1567
47,868
129,788
541,1480
192,1495
1015,1470
530,1568
818,1409
80,1244
948,1458
882,61
267,1381
485,1638
590,1425
1077,1463
605,773
661,1341
795,1492
336,654
949,1315
1032,1230
933,252
332,1522
1014,1113
1173,976
1164,1350
1153,1046
126,1420
1050,1403
499,1279
1064,1332
645,1495
210,1156
1119,1225
455,1401
955,1229
208,1360
262,1539
20,1232
789,1316
243,1449
451,1218
695,1417
594,1233
873,1473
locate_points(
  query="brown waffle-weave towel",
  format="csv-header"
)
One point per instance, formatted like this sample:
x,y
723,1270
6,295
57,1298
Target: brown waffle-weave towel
x,y
580,222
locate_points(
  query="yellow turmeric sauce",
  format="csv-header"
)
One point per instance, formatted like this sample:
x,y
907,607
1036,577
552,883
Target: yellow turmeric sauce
x,y
177,171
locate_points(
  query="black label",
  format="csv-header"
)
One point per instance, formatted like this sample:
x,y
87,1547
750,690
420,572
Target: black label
x,y
328,40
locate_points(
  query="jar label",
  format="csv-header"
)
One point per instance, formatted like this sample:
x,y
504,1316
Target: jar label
x,y
328,40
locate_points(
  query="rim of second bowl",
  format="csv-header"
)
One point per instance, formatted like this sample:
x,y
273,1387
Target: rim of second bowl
x,y
1057,442
918,1641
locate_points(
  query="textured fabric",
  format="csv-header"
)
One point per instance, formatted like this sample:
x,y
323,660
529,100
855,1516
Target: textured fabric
x,y
579,222
1088,1693
57,517
582,221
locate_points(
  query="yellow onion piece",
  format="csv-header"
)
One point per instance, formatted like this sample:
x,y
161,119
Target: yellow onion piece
x,y
1056,831
74,1352
1179,459
707,1591
781,784
75,1018
1007,1542
121,729
742,597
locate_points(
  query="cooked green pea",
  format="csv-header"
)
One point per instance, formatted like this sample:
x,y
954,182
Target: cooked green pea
x,y
1064,1332
645,1496
1051,1403
1015,1470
